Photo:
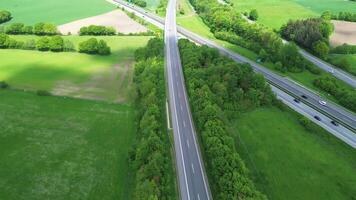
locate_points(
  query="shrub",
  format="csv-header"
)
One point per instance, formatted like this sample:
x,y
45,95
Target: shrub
x,y
92,46
3,85
30,44
5,16
45,29
43,44
68,46
15,28
253,15
3,41
97,30
56,43
344,49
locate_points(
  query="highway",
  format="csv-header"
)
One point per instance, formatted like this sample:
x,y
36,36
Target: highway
x,y
192,180
331,110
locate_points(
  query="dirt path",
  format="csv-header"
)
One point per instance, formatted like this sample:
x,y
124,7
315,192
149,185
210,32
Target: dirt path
x,y
116,19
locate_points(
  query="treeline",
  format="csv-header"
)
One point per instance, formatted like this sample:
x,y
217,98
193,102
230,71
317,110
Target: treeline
x,y
37,29
151,158
312,34
55,44
344,49
97,30
345,96
225,22
5,16
219,88
140,3
344,16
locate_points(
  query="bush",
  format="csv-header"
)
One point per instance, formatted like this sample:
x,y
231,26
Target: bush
x,y
15,28
56,44
68,46
344,49
92,46
3,85
3,41
97,30
43,93
43,44
253,15
5,16
30,44
45,29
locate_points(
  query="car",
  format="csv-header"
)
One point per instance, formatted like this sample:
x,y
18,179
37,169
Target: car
x,y
317,118
334,123
331,71
304,97
297,100
323,103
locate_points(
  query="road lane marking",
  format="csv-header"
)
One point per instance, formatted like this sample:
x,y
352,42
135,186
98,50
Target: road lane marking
x,y
198,197
188,143
193,168
184,123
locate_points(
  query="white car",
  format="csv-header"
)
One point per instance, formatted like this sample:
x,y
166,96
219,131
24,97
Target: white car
x,y
322,102
331,71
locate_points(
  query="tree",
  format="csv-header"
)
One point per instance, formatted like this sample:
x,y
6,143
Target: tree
x,y
56,43
89,46
3,40
321,49
43,44
253,15
15,28
5,16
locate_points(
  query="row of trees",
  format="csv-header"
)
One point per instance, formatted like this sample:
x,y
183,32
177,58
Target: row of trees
x,y
219,88
5,16
141,3
345,96
37,29
93,46
344,49
151,158
344,16
97,30
228,24
312,34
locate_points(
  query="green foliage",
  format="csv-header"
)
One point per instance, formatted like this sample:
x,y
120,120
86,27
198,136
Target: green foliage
x,y
345,16
92,46
344,49
321,49
3,41
56,43
15,28
97,30
218,88
345,96
43,93
141,3
5,16
253,15
43,44
45,29
151,158
3,85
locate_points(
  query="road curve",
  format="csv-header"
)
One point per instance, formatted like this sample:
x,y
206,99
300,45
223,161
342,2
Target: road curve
x,y
192,180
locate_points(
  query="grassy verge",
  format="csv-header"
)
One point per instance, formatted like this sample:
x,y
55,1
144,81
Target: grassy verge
x,y
288,162
62,148
350,58
74,74
57,12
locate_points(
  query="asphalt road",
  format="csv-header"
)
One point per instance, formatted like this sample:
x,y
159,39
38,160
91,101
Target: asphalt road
x,y
192,179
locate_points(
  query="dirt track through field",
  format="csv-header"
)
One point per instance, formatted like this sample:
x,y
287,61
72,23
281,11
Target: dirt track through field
x,y
345,32
116,19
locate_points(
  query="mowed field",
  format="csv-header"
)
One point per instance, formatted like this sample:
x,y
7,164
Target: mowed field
x,y
62,148
57,12
275,13
288,162
74,74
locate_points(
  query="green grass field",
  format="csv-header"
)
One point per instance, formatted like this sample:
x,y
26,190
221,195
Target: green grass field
x,y
57,12
277,12
62,148
288,162
351,58
72,73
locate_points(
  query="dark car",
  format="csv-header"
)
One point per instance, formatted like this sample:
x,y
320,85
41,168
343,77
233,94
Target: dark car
x,y
317,118
334,123
297,100
304,97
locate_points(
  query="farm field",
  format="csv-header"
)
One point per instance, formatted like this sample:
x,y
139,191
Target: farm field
x,y
63,148
34,11
288,162
74,74
277,12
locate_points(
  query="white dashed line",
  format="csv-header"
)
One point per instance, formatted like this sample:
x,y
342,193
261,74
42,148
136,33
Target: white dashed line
x,y
193,169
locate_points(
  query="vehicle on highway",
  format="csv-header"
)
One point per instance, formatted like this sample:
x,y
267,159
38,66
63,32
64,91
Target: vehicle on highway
x,y
297,100
317,118
322,102
331,71
334,123
304,97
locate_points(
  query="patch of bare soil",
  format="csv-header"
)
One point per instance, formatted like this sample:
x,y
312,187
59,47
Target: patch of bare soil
x,y
345,32
116,19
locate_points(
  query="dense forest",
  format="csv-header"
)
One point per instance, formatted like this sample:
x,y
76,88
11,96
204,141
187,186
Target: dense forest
x,y
151,156
219,89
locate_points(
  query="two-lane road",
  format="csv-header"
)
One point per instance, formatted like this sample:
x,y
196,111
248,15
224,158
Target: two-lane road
x,y
193,184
